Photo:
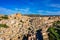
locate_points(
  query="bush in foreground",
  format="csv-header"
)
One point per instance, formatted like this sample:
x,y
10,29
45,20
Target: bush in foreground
x,y
54,31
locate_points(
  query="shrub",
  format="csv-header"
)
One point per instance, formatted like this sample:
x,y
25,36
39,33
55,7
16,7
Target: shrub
x,y
3,25
54,32
5,17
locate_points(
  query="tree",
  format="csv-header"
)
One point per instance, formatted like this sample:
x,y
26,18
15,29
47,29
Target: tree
x,y
5,17
54,31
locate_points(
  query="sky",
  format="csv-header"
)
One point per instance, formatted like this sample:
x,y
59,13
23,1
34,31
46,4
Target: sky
x,y
41,7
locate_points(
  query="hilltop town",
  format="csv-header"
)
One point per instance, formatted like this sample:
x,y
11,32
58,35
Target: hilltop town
x,y
16,26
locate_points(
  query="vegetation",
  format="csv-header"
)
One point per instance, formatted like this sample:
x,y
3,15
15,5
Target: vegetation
x,y
3,25
54,31
33,15
5,17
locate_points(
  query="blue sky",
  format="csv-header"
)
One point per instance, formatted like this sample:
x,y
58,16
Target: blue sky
x,y
42,7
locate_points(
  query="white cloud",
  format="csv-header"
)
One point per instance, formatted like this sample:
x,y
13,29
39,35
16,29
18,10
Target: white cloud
x,y
6,11
54,13
27,11
10,11
55,5
44,12
24,11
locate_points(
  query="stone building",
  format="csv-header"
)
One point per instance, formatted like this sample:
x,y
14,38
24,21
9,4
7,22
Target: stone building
x,y
19,25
